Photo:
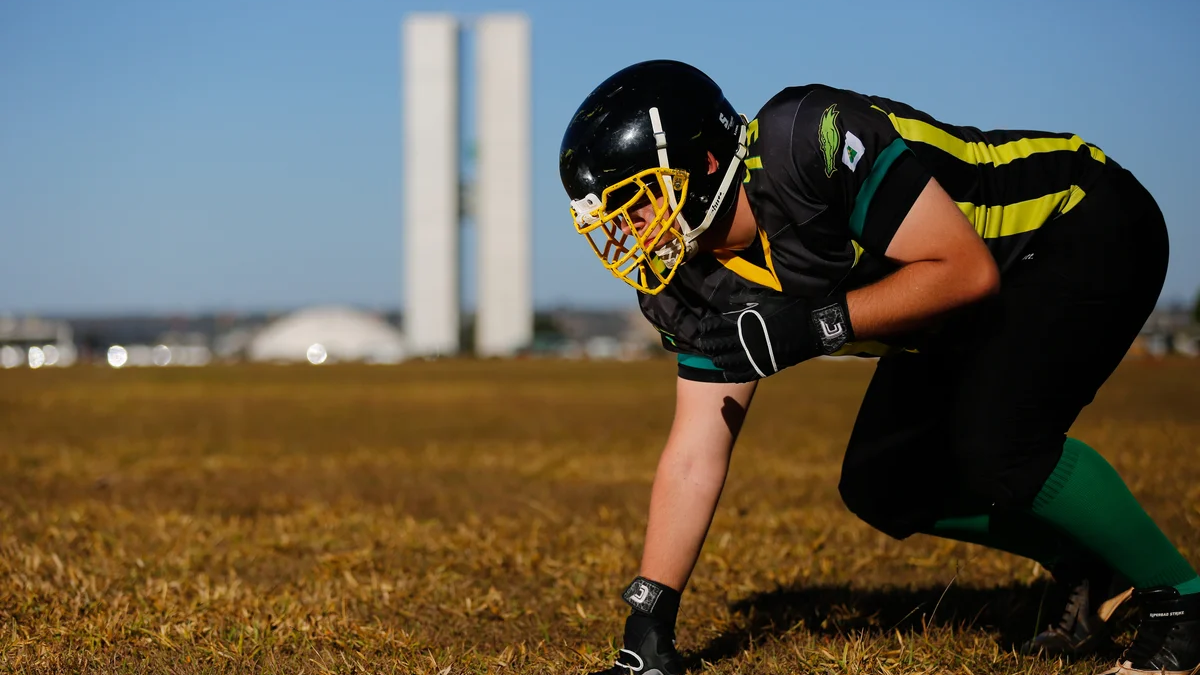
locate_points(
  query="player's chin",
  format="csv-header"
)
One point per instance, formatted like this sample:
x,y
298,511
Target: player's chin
x,y
667,246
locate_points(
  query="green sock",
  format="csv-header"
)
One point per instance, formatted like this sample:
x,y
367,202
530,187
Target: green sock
x,y
1085,498
1013,532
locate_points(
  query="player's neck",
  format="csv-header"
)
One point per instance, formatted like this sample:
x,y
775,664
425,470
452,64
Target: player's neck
x,y
737,233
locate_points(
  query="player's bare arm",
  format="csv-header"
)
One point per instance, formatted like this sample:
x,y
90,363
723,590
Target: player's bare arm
x,y
687,486
691,473
944,265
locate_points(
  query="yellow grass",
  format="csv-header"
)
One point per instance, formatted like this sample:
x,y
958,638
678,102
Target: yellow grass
x,y
482,517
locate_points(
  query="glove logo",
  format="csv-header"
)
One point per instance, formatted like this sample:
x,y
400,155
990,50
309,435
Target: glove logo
x,y
831,333
830,325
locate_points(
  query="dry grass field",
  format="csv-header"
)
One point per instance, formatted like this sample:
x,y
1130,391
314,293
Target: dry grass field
x,y
467,517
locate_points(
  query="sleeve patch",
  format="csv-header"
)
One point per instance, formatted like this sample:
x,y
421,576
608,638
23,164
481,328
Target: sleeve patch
x,y
863,200
852,151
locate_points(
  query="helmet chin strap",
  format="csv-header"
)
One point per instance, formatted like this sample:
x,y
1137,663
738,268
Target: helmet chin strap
x,y
691,234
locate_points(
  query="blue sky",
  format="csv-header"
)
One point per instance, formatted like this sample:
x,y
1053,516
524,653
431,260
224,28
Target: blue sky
x,y
180,157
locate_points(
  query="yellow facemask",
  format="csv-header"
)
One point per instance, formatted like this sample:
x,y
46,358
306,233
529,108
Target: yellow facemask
x,y
645,257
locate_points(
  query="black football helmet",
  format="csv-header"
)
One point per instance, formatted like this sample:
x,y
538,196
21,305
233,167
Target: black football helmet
x,y
643,137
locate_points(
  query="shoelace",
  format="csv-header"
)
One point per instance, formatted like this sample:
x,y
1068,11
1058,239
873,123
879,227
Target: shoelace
x,y
1075,601
641,664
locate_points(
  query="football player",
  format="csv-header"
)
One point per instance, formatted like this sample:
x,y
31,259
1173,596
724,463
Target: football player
x,y
1000,275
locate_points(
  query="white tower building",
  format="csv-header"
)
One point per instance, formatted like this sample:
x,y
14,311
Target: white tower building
x,y
501,196
504,318
431,183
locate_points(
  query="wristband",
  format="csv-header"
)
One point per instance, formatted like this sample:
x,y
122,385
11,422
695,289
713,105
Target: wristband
x,y
653,599
831,326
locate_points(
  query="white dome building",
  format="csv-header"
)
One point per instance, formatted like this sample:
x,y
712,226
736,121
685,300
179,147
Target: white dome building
x,y
328,333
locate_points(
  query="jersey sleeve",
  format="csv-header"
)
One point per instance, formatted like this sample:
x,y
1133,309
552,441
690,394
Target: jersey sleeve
x,y
839,163
692,365
676,315
698,368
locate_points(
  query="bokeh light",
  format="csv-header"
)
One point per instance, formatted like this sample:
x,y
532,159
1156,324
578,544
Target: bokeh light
x,y
10,357
117,356
162,355
317,354
37,357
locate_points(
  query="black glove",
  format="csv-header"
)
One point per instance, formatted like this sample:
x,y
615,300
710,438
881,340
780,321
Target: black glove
x,y
764,332
649,643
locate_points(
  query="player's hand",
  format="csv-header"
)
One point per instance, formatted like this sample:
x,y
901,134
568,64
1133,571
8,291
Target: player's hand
x,y
764,332
649,647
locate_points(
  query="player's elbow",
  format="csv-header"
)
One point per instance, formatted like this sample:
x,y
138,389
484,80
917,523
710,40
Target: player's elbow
x,y
984,281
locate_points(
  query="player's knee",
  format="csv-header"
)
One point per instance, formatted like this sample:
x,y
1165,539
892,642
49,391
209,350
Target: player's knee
x,y
1005,472
853,492
856,496
871,499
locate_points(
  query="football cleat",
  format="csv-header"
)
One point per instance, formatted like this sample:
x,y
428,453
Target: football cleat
x,y
1085,624
649,649
1168,636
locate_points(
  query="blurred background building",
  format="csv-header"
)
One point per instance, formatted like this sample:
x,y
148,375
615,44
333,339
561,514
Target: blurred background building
x,y
35,342
318,335
1170,330
333,334
437,194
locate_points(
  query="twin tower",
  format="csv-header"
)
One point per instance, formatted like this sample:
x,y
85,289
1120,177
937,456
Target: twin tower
x,y
436,196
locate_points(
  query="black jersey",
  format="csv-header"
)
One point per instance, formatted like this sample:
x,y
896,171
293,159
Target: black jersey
x,y
830,176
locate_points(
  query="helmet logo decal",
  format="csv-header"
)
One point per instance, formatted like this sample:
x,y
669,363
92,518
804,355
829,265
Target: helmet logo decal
x,y
829,138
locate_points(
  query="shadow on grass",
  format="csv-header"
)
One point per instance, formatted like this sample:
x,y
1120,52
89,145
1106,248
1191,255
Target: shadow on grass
x,y
1014,612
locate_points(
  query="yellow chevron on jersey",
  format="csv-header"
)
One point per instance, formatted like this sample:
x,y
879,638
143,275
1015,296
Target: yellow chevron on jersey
x,y
763,276
977,152
992,222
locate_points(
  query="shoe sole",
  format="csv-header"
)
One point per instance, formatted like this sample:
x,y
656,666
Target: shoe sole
x,y
1120,669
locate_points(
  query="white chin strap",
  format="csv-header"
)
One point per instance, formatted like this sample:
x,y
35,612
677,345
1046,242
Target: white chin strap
x,y
690,234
